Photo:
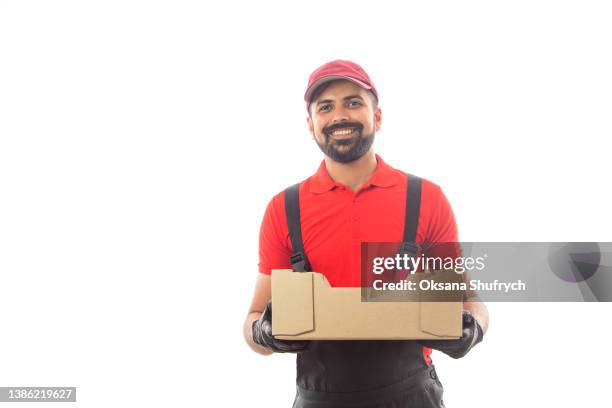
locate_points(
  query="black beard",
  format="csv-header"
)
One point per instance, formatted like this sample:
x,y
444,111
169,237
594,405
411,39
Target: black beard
x,y
359,145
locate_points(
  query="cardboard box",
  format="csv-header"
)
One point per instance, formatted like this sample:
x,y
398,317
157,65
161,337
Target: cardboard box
x,y
305,306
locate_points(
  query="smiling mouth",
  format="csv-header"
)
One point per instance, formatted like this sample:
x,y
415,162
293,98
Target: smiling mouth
x,y
343,133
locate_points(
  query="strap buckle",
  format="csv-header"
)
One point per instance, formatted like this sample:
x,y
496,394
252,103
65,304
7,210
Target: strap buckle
x,y
409,248
299,262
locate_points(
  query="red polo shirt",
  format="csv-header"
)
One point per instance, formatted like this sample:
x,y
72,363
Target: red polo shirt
x,y
335,220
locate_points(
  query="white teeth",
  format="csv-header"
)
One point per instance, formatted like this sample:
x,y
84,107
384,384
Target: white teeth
x,y
342,132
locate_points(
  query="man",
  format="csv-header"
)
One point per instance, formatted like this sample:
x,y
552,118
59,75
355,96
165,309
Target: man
x,y
354,197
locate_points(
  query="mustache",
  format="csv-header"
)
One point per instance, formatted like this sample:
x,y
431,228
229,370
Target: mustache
x,y
328,129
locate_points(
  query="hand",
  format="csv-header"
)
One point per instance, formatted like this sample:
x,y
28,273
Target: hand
x,y
472,335
262,335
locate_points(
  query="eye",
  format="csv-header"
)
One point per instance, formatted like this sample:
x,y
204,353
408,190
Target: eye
x,y
326,107
354,103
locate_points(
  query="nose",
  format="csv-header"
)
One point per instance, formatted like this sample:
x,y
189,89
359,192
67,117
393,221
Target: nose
x,y
340,115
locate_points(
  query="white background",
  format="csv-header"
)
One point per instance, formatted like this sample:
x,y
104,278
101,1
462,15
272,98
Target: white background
x,y
140,142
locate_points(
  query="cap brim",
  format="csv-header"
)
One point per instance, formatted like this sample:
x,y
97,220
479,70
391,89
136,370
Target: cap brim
x,y
313,88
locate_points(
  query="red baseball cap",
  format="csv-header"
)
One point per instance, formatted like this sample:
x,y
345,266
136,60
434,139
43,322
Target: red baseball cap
x,y
338,69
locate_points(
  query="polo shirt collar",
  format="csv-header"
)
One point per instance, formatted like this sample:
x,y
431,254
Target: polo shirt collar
x,y
384,176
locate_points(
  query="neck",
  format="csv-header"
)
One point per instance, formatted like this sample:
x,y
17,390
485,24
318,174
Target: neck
x,y
354,174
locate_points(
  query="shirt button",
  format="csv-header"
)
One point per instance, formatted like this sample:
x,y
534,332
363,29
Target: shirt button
x,y
356,218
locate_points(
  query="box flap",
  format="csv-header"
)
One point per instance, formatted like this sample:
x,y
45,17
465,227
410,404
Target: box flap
x,y
292,303
436,320
434,316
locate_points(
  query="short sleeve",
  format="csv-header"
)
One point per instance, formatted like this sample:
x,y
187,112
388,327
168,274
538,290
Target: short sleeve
x,y
274,251
442,227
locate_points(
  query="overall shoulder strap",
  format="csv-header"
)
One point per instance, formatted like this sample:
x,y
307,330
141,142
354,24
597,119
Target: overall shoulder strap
x,y
299,261
411,220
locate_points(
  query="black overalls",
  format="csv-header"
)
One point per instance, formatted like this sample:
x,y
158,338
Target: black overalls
x,y
362,373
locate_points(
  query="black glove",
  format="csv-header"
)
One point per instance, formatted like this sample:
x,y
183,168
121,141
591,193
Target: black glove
x,y
472,335
262,335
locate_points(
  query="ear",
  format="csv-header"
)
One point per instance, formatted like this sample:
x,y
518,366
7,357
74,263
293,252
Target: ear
x,y
310,125
378,118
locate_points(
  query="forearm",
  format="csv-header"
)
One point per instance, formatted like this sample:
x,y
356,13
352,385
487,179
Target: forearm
x,y
479,311
248,334
473,304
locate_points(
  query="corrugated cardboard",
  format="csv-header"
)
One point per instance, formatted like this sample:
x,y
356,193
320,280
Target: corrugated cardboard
x,y
305,306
